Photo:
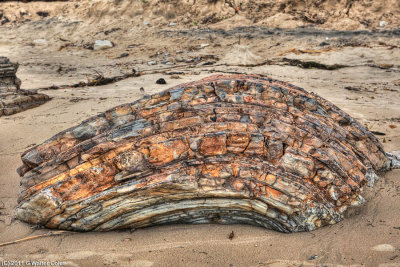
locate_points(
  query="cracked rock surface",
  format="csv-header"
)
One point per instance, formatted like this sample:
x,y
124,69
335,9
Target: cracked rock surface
x,y
225,149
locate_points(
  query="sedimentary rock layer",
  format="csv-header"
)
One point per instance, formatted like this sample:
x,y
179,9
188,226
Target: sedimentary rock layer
x,y
225,149
8,79
12,98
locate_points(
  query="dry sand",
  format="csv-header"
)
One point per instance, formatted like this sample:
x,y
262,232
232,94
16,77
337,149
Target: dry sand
x,y
370,236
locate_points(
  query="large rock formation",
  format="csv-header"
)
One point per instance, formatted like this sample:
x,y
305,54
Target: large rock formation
x,y
12,98
225,149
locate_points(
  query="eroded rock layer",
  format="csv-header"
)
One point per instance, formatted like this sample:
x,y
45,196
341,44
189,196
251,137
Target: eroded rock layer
x,y
225,149
12,98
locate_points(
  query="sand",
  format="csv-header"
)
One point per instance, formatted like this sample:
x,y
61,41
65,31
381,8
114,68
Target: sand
x,y
368,236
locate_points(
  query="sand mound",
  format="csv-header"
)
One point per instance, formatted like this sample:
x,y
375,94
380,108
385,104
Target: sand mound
x,y
240,55
333,14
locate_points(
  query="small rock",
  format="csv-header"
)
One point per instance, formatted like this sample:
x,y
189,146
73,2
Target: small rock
x,y
231,235
352,88
204,45
377,133
5,20
166,62
179,59
383,248
207,63
382,23
153,62
323,43
88,46
102,44
23,12
124,55
161,81
175,76
172,24
39,42
146,23
43,13
395,158
313,257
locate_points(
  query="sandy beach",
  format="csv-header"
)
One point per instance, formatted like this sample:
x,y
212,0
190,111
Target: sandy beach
x,y
368,236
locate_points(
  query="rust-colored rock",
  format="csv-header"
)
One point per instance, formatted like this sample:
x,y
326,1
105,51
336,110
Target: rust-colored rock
x,y
12,98
225,149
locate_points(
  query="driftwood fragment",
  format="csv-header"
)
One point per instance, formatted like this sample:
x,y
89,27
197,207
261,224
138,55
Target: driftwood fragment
x,y
225,149
34,237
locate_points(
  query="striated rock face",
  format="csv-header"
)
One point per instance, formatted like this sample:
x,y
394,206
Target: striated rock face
x,y
8,79
12,98
225,149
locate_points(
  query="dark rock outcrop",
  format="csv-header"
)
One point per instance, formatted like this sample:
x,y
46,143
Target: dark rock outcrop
x,y
13,99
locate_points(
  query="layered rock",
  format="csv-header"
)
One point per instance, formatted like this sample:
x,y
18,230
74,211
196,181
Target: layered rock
x,y
8,79
12,98
225,149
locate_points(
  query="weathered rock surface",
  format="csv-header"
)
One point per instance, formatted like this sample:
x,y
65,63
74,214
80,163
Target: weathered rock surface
x,y
225,149
8,79
12,98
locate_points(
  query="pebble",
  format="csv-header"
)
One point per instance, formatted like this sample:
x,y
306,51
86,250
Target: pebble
x,y
166,62
43,14
382,23
313,257
5,20
102,44
153,62
172,24
39,42
161,81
